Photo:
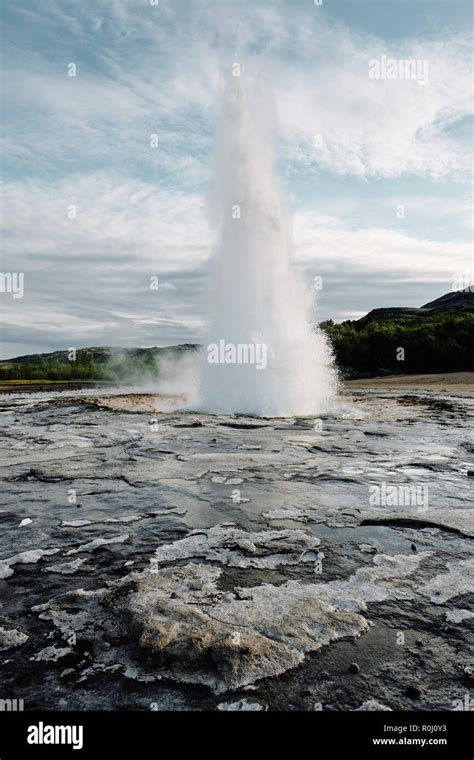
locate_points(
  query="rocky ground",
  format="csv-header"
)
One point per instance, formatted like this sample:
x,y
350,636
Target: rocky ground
x,y
168,560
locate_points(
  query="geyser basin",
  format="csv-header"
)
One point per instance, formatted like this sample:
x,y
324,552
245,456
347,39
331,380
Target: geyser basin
x,y
162,499
262,356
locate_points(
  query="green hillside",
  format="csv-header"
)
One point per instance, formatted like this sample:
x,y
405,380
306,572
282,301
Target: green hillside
x,y
438,337
128,365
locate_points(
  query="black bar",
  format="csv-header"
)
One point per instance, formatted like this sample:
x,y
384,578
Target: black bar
x,y
156,734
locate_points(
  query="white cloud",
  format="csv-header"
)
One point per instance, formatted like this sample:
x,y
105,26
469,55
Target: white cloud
x,y
87,279
87,217
378,127
377,250
168,80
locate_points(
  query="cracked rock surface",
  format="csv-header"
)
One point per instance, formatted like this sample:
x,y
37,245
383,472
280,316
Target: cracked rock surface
x,y
159,559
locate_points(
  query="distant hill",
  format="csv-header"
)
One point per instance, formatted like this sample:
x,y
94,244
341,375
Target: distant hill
x,y
462,300
99,364
105,354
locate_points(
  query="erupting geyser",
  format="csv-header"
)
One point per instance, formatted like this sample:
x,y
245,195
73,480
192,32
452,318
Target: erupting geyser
x,y
262,357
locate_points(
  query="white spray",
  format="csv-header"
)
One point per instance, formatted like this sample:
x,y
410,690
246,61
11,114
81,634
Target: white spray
x,y
262,356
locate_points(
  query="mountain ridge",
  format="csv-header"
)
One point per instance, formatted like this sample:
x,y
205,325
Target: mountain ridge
x,y
459,300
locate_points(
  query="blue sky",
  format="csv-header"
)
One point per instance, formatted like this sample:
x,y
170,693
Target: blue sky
x,y
142,69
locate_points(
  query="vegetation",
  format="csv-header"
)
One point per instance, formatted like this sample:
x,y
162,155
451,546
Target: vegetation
x,y
438,342
89,365
52,368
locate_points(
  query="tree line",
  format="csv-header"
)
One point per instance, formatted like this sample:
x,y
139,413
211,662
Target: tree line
x,y
431,344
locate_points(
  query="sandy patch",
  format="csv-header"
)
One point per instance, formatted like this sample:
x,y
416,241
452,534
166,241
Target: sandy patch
x,y
459,382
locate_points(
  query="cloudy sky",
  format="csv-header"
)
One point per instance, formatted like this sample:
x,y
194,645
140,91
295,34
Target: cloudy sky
x,y
376,170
